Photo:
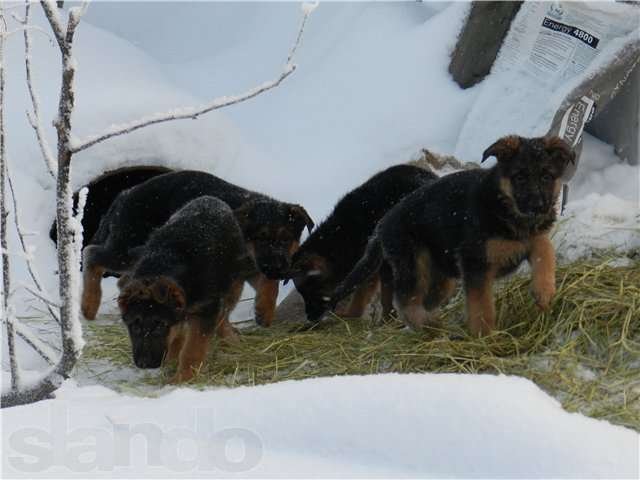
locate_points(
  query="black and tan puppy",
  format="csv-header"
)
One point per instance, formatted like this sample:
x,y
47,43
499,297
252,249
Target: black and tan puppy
x,y
271,231
332,250
181,289
477,225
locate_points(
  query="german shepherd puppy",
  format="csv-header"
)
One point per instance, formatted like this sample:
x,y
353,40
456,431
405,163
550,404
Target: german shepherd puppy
x,y
271,231
332,250
477,225
186,280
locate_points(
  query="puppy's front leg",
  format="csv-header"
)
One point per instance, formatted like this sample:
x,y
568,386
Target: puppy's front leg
x,y
91,289
194,351
175,341
481,314
542,258
266,295
360,299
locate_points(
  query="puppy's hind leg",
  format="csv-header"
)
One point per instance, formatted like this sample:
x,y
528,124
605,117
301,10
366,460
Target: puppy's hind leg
x,y
224,329
411,278
441,289
386,290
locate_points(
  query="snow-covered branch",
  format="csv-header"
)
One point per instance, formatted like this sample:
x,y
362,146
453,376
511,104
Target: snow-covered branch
x,y
178,113
69,227
68,261
35,343
55,21
33,273
34,118
6,279
194,112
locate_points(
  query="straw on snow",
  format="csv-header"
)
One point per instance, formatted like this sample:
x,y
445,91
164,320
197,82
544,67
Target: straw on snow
x,y
585,351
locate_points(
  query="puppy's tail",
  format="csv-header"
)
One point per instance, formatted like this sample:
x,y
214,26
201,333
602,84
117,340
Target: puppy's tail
x,y
366,267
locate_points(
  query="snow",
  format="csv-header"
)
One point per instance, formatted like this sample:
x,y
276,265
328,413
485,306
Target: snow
x,y
512,100
308,7
427,426
371,89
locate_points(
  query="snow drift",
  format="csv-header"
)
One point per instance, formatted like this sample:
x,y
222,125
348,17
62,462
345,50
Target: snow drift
x,y
428,426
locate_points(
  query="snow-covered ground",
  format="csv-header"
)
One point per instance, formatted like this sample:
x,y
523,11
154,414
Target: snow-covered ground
x,y
435,426
371,90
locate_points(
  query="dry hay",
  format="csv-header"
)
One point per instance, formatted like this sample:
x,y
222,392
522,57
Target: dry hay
x,y
585,351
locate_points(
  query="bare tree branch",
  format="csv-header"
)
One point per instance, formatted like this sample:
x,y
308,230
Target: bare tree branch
x,y
75,14
68,261
69,228
195,112
55,21
40,296
34,119
6,279
307,9
38,346
30,267
21,29
68,258
178,114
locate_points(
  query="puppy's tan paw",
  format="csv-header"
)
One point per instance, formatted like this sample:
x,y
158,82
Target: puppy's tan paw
x,y
543,293
89,306
231,335
414,317
264,318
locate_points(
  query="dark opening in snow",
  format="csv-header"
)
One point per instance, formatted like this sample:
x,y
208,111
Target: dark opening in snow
x,y
103,190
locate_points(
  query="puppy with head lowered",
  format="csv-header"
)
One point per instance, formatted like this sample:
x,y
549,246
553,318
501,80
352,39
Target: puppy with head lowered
x,y
184,283
271,231
331,251
478,225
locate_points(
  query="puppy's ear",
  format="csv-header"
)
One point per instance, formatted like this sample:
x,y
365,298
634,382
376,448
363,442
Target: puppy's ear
x,y
165,290
560,151
129,289
503,149
299,213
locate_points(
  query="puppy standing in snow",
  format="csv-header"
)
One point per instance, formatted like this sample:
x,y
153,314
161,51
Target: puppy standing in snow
x,y
478,225
184,284
271,231
333,249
